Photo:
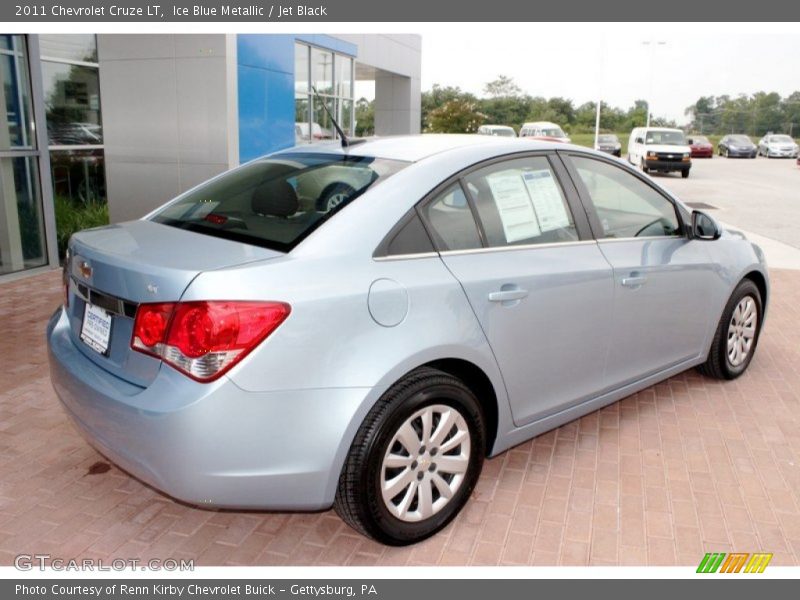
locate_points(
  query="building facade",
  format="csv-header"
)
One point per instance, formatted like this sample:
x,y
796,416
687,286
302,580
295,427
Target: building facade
x,y
109,127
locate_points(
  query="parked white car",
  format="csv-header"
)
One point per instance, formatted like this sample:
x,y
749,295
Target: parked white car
x,y
544,130
659,149
500,130
777,146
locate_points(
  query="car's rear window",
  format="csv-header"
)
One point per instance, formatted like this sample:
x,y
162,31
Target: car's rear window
x,y
277,201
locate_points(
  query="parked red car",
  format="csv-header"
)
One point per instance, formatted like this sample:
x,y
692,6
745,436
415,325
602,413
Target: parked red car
x,y
701,147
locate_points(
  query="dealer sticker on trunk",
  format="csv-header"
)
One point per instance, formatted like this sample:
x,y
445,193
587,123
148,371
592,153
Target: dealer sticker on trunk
x,y
96,329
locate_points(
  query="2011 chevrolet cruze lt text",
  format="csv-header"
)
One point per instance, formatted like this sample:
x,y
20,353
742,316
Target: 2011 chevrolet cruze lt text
x,y
360,326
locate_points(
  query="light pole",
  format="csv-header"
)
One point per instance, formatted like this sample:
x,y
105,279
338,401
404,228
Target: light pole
x,y
599,94
652,44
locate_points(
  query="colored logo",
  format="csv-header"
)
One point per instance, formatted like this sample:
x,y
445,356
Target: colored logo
x,y
735,562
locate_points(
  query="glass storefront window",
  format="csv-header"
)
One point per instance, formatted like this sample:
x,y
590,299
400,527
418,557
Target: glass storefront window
x,y
22,237
346,115
301,132
332,76
322,71
344,76
79,192
79,175
322,127
301,57
72,101
75,47
75,133
16,124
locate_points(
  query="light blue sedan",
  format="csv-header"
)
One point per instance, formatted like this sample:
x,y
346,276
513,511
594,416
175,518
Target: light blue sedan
x,y
361,326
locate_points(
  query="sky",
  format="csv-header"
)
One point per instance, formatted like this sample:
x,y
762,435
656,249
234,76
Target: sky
x,y
584,61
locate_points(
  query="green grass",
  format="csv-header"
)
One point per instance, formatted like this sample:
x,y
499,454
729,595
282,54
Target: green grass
x,y
72,217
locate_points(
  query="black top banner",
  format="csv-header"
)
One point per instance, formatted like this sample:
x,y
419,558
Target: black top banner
x,y
341,11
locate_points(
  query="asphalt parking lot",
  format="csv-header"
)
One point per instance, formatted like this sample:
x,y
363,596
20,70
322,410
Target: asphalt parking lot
x,y
688,466
759,195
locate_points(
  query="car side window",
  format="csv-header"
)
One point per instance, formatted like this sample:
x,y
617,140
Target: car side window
x,y
626,206
450,220
520,202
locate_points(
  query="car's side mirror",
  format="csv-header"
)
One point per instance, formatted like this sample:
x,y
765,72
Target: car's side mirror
x,y
704,227
690,141
640,140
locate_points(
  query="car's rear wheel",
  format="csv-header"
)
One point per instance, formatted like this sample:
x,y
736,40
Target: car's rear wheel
x,y
736,337
414,461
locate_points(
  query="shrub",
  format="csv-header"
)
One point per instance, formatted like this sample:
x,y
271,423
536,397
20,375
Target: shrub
x,y
74,216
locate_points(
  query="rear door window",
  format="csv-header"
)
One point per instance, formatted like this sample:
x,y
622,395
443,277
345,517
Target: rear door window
x,y
520,202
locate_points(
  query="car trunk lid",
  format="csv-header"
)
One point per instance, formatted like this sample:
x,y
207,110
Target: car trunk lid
x,y
121,266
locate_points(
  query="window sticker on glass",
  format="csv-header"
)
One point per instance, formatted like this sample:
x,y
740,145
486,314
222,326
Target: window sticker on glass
x,y
514,205
546,197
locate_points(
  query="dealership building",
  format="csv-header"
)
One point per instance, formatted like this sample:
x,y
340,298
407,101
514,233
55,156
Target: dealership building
x,y
123,123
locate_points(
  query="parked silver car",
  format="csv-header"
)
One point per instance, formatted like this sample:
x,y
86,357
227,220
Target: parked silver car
x,y
778,146
246,346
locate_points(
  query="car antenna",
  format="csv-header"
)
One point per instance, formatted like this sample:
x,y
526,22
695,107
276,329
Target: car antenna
x,y
345,141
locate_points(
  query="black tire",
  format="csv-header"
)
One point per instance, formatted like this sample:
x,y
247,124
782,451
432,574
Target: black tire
x,y
337,188
718,365
685,173
644,167
359,501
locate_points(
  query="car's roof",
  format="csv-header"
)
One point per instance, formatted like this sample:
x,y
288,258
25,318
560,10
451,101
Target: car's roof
x,y
540,123
413,148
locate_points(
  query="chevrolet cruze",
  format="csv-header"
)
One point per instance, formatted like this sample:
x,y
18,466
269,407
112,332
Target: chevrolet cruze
x,y
360,326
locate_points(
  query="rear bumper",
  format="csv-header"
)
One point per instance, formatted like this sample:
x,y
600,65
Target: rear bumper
x,y
210,444
668,165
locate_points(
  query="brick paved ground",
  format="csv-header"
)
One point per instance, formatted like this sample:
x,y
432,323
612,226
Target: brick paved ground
x,y
688,466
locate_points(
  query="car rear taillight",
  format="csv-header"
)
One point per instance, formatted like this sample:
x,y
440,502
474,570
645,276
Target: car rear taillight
x,y
204,339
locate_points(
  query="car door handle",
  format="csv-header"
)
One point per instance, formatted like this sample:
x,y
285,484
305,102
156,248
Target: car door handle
x,y
634,281
508,295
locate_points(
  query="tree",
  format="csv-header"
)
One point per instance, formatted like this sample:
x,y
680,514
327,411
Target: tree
x,y
754,114
456,116
437,97
502,87
365,117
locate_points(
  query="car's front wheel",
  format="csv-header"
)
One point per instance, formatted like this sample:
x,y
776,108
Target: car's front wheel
x,y
737,334
414,461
